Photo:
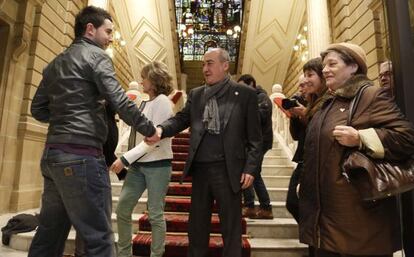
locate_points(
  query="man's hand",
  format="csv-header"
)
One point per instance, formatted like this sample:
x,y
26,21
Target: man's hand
x,y
117,166
154,138
346,136
246,180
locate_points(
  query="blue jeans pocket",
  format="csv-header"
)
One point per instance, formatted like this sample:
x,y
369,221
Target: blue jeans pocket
x,y
71,176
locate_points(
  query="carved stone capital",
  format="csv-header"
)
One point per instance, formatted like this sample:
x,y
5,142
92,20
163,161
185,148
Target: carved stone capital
x,y
21,41
375,5
23,29
33,2
2,3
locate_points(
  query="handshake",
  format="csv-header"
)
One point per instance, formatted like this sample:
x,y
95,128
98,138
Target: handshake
x,y
118,165
154,138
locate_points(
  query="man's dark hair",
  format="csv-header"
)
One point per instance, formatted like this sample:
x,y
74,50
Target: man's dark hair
x,y
315,65
90,14
247,78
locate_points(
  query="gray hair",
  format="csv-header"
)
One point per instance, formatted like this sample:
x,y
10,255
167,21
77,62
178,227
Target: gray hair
x,y
223,54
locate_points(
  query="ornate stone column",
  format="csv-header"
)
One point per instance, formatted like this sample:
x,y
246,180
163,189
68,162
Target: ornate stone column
x,y
318,26
18,189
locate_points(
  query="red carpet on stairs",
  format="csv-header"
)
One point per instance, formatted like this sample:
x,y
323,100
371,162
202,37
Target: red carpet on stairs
x,y
178,222
177,206
176,245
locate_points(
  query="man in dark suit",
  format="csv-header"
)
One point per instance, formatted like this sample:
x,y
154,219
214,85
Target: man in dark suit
x,y
224,153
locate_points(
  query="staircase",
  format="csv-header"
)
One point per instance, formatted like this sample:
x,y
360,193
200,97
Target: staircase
x,y
177,206
267,238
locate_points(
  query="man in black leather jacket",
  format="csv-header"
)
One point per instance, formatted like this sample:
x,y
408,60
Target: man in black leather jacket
x,y
71,98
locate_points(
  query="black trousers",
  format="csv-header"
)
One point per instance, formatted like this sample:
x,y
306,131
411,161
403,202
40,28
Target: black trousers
x,y
408,223
211,182
292,200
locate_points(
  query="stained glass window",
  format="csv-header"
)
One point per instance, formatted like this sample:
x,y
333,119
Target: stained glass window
x,y
202,24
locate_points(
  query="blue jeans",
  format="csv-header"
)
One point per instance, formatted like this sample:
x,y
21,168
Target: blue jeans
x,y
77,191
260,188
139,178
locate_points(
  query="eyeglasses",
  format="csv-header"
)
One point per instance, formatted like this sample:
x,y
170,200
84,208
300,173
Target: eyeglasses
x,y
385,74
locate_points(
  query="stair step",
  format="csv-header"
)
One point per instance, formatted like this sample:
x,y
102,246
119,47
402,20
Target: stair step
x,y
277,193
176,177
177,189
276,181
180,141
278,160
176,245
267,170
141,206
180,156
274,228
275,152
272,247
178,222
180,148
256,228
283,170
180,204
278,207
182,135
178,165
260,247
185,189
135,217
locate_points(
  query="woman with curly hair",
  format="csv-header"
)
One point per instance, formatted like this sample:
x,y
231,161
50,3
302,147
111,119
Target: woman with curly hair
x,y
149,166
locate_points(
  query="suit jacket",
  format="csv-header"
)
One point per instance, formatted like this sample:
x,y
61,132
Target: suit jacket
x,y
241,132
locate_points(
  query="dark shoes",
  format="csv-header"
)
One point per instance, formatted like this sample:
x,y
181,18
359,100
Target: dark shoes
x,y
249,212
257,213
265,214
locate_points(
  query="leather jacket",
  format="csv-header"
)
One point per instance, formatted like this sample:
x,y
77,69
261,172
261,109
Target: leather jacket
x,y
71,97
265,113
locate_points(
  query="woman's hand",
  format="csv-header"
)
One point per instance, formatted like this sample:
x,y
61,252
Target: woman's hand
x,y
346,136
117,166
299,111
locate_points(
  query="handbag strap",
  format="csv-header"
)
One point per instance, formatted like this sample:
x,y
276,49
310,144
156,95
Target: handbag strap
x,y
133,134
352,109
354,103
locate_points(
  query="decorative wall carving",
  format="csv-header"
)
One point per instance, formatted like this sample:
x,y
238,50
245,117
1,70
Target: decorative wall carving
x,y
23,29
146,26
21,41
2,3
270,35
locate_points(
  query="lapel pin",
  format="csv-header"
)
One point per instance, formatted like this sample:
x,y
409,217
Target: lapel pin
x,y
342,109
236,93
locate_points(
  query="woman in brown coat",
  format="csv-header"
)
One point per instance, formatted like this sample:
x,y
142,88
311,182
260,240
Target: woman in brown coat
x,y
333,218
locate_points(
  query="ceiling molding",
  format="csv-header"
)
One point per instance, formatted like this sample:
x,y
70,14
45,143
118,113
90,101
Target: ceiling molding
x,y
148,32
269,40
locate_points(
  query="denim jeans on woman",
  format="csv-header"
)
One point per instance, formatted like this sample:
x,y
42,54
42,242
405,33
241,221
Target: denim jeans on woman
x,y
155,178
77,191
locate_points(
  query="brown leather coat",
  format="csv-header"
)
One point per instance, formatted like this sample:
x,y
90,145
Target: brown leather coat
x,y
332,215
